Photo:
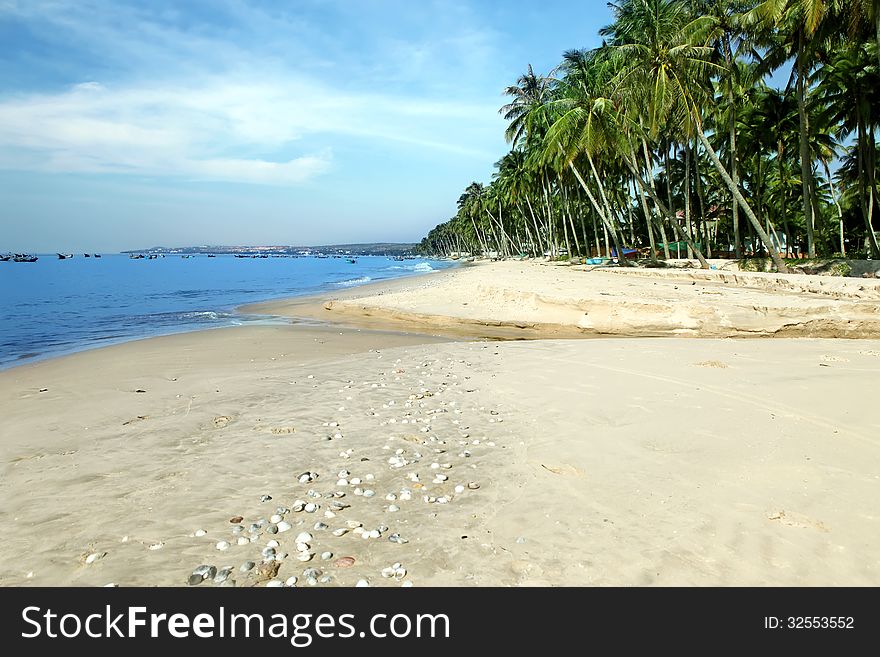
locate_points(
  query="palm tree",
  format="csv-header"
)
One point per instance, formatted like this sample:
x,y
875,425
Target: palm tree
x,y
666,60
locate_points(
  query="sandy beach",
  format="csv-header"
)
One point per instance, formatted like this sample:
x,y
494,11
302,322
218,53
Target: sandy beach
x,y
653,458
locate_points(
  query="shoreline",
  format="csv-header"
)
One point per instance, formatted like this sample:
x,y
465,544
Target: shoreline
x,y
633,461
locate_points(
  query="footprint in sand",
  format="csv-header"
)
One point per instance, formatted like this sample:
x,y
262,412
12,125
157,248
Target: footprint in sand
x,y
834,359
563,470
221,421
869,352
712,363
797,520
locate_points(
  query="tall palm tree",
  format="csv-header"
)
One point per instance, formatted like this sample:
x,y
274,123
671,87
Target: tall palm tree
x,y
666,62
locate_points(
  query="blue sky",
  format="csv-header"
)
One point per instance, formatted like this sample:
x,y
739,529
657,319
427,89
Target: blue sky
x,y
131,124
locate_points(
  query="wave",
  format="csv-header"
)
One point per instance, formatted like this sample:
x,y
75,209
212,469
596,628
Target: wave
x,y
354,281
420,267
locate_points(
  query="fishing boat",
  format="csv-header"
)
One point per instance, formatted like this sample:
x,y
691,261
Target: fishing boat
x,y
24,257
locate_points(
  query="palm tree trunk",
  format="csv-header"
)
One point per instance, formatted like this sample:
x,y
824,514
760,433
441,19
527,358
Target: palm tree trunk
x,y
836,205
687,192
774,254
599,211
699,185
734,174
647,213
650,176
537,229
867,208
806,160
666,212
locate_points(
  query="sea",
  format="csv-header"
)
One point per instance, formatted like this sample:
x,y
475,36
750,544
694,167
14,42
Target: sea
x,y
53,307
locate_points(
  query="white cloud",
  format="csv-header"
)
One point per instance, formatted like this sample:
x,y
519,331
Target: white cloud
x,y
215,104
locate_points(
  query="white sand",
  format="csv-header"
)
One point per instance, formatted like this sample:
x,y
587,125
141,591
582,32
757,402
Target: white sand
x,y
531,299
616,462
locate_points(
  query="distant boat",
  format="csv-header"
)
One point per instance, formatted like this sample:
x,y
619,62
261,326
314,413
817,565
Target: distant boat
x,y
351,260
61,256
136,256
85,255
5,258
211,255
23,257
97,255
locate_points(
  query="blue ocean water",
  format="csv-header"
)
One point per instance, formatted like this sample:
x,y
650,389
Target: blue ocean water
x,y
52,307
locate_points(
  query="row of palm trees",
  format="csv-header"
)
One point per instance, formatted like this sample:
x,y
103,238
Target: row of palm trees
x,y
669,139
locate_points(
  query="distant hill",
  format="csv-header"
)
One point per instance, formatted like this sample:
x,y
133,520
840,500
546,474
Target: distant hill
x,y
373,248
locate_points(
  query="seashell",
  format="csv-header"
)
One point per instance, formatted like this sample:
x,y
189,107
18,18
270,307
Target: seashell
x,y
392,508
459,489
274,583
369,493
340,532
339,506
276,518
320,526
272,529
155,546
362,583
305,556
391,497
195,580
373,533
221,545
205,571
473,485
311,507
303,537
265,498
369,477
281,556
358,491
344,562
329,514
388,572
342,482
268,552
343,474
382,529
302,547
243,540
442,500
312,581
200,532
407,584
222,575
237,529
236,519
435,466
273,543
326,556
246,566
355,481
325,579
291,581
